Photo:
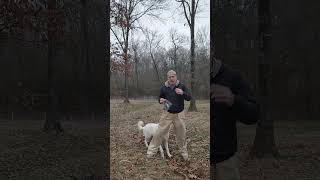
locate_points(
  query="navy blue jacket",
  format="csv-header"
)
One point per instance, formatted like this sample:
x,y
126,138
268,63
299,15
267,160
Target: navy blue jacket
x,y
177,100
223,118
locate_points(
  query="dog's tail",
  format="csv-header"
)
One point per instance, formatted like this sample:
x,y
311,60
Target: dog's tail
x,y
140,125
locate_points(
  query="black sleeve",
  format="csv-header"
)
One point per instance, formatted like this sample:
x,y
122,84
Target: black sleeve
x,y
162,94
186,93
245,105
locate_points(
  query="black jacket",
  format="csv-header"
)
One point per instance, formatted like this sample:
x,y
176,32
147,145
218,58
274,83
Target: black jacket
x,y
223,118
177,100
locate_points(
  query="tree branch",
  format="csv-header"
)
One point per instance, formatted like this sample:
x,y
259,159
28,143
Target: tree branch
x,y
173,39
135,5
143,13
128,11
195,10
123,34
189,8
114,33
156,16
185,13
184,1
158,44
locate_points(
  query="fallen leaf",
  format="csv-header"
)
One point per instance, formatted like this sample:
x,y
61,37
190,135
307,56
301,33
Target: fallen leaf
x,y
192,176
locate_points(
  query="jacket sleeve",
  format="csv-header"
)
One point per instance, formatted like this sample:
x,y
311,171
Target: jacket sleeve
x,y
162,94
245,105
186,93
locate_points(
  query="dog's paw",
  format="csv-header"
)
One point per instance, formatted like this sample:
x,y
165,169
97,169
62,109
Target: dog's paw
x,y
162,155
169,155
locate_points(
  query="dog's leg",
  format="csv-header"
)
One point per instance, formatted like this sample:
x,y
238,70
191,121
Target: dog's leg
x,y
167,149
161,151
166,140
145,142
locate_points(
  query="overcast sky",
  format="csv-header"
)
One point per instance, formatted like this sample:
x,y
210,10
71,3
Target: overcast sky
x,y
174,18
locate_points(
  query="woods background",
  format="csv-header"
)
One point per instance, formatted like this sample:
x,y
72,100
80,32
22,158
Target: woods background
x,y
141,55
58,47
293,55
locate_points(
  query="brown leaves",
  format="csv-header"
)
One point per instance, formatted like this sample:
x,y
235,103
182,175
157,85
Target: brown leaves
x,y
130,146
190,170
192,176
119,14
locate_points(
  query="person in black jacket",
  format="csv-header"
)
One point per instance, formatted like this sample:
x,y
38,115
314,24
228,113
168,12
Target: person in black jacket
x,y
231,100
172,95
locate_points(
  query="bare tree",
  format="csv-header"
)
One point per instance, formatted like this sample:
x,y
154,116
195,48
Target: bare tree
x,y
202,56
162,59
135,46
177,40
264,143
153,42
52,121
203,38
85,54
124,15
190,11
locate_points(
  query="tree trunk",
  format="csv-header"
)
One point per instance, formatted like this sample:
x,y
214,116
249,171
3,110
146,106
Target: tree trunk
x,y
308,87
175,59
264,143
136,69
154,62
192,106
155,67
85,51
52,120
126,97
135,58
75,71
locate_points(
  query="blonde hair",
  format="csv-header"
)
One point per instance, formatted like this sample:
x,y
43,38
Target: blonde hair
x,y
171,72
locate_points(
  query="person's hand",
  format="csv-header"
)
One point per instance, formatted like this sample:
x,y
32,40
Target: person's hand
x,y
179,91
222,94
162,100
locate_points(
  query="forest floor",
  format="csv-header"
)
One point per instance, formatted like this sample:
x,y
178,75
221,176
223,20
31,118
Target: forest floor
x,y
28,153
298,143
128,151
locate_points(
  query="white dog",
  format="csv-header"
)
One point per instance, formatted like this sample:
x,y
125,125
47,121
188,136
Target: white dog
x,y
148,131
